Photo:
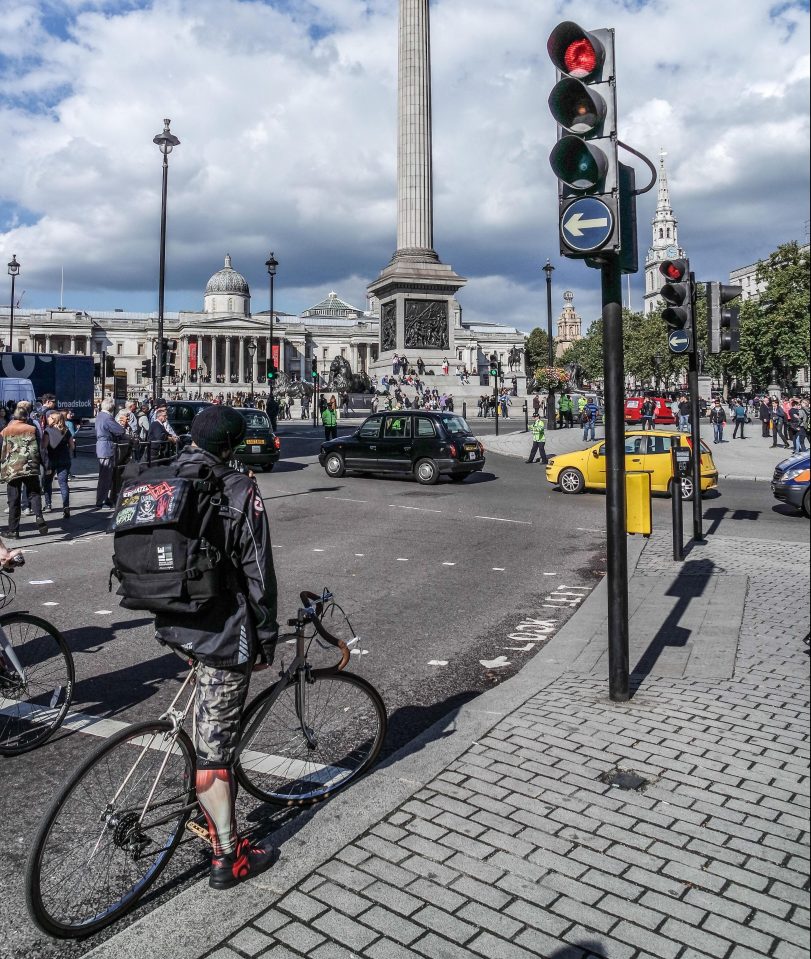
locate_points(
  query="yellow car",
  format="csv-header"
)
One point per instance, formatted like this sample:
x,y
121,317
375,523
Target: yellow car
x,y
644,450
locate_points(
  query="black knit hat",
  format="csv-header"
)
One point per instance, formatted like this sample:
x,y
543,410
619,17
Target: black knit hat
x,y
217,429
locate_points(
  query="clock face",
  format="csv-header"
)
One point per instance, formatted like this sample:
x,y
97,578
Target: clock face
x,y
671,251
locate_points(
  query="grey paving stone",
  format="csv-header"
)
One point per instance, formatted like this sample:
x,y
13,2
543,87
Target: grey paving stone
x,y
427,848
591,943
392,898
742,935
445,925
391,925
386,949
425,829
352,855
336,897
527,890
645,939
701,940
388,872
251,941
331,950
272,920
345,929
418,866
385,848
481,892
491,946
345,875
275,952
632,911
435,947
439,895
670,906
578,911
302,938
490,871
467,846
780,929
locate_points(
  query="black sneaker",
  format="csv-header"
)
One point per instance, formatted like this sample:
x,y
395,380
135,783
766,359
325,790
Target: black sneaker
x,y
247,860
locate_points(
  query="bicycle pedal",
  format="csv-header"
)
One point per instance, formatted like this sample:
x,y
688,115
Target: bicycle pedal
x,y
197,830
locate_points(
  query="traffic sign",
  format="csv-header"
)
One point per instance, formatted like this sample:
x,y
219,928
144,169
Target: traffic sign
x,y
680,341
587,224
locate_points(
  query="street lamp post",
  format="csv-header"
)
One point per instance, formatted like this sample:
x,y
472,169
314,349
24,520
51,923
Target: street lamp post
x,y
550,404
166,142
13,272
272,264
251,353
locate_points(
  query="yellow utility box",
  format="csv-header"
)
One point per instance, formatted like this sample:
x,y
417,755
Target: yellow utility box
x,y
638,513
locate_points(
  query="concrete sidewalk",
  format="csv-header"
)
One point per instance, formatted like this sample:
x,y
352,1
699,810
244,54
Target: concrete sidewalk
x,y
750,459
544,820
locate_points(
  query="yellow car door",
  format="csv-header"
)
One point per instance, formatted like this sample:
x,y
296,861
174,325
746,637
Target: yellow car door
x,y
595,468
635,447
658,461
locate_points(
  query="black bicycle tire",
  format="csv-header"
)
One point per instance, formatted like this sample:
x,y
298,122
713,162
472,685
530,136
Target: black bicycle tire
x,y
33,896
52,631
319,676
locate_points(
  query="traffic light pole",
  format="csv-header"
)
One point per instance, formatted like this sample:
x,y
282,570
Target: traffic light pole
x,y
614,417
495,399
103,373
695,435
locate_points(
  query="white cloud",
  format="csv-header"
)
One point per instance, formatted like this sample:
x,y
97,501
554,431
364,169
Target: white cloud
x,y
286,114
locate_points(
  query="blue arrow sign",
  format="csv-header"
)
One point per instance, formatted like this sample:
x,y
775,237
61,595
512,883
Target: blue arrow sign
x,y
586,225
679,341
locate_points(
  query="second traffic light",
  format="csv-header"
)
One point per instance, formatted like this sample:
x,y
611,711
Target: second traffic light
x,y
168,357
723,322
314,369
679,313
584,158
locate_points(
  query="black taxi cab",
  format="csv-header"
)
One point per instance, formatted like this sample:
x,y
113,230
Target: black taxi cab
x,y
261,446
422,444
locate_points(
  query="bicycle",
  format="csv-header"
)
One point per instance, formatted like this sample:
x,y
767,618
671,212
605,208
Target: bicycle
x,y
36,676
113,829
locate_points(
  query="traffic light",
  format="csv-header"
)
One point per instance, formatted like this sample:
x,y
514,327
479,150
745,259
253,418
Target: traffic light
x,y
168,357
147,369
271,372
584,158
679,295
494,365
314,369
723,322
109,365
97,370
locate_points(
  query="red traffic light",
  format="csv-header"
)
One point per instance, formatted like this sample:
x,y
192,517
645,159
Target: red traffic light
x,y
674,270
575,51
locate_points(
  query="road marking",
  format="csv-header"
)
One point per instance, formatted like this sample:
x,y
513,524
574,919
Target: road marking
x,y
449,564
277,547
585,529
103,612
345,499
550,574
401,559
437,662
39,582
498,663
319,551
500,519
421,509
499,569
50,604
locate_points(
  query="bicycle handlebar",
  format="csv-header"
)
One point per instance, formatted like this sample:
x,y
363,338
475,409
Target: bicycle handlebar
x,y
313,608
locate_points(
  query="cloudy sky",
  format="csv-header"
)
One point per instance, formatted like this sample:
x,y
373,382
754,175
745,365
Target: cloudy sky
x,y
286,112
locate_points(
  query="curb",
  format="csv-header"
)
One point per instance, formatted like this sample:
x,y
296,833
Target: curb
x,y
317,834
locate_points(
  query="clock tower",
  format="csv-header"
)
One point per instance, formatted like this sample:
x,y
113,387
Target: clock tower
x,y
665,245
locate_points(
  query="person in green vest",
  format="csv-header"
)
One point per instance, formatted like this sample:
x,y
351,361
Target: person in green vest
x,y
565,411
538,431
329,417
581,403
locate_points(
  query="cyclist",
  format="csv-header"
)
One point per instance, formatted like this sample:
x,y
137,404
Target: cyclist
x,y
226,637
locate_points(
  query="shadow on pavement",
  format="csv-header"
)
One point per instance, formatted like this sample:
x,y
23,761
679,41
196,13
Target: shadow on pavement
x,y
689,584
287,466
718,513
408,723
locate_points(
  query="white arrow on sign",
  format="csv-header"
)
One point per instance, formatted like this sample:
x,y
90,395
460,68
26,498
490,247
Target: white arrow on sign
x,y
577,224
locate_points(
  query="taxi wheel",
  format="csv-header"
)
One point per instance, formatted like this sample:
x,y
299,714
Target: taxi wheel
x,y
427,472
334,465
806,504
571,481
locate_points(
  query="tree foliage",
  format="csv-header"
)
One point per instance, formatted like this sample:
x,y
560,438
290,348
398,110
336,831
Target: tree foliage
x,y
537,349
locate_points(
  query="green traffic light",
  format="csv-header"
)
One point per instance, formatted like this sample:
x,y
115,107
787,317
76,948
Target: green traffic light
x,y
578,164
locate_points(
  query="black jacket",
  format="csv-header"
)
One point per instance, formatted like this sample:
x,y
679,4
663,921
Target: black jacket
x,y
233,630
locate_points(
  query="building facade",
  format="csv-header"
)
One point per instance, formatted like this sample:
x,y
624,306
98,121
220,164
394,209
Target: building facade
x,y
225,347
664,244
569,325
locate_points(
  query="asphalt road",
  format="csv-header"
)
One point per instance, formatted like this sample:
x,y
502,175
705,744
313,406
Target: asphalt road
x,y
445,585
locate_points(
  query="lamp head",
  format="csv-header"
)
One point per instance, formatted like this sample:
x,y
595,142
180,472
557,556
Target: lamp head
x,y
272,263
14,266
166,141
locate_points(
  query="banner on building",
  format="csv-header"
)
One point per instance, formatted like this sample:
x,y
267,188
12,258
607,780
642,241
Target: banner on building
x,y
192,356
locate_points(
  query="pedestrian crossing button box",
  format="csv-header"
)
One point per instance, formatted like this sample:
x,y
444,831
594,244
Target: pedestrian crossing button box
x,y
682,461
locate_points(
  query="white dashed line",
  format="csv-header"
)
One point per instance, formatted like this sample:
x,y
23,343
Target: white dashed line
x,y
401,559
345,499
421,509
360,555
585,529
39,582
499,569
50,604
550,574
438,662
449,564
103,612
319,551
500,519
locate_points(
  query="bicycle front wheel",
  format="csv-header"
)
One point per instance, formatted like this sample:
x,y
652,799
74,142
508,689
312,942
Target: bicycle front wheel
x,y
315,738
36,682
110,833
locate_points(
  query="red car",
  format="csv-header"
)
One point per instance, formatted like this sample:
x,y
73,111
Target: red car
x,y
633,411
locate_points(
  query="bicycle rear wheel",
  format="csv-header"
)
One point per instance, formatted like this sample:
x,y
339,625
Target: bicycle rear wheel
x,y
313,740
104,841
33,703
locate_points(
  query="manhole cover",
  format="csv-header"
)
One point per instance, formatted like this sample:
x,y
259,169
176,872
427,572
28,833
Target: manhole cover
x,y
624,779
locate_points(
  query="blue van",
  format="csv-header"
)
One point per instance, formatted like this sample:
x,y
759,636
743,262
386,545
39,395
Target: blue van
x,y
790,481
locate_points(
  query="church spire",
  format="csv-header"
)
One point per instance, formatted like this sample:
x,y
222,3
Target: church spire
x,y
665,240
663,203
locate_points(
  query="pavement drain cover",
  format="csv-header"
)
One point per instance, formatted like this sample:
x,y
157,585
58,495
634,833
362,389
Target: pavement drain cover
x,y
624,779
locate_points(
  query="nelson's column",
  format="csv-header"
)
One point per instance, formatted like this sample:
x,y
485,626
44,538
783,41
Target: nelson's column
x,y
418,311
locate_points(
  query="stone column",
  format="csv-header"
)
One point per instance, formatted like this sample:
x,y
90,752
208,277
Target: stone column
x,y
228,360
72,345
241,363
415,218
214,370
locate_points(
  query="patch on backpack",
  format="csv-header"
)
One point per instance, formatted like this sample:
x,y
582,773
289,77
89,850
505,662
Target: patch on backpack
x,y
165,557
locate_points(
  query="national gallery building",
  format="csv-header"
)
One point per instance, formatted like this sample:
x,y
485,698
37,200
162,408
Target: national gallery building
x,y
226,347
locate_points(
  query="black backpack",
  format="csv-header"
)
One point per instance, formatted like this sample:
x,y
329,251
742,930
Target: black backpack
x,y
161,557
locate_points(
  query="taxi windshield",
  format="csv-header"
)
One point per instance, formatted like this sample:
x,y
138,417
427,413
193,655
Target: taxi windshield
x,y
456,424
255,420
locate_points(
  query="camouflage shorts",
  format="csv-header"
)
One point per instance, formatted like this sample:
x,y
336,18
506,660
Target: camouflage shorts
x,y
218,713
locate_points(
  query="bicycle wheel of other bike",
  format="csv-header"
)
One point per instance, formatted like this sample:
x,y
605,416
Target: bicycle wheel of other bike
x,y
108,836
36,690
311,743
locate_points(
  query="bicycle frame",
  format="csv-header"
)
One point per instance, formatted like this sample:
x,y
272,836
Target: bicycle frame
x,y
8,651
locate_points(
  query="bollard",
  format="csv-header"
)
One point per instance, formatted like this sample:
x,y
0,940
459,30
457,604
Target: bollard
x,y
678,519
526,416
464,410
